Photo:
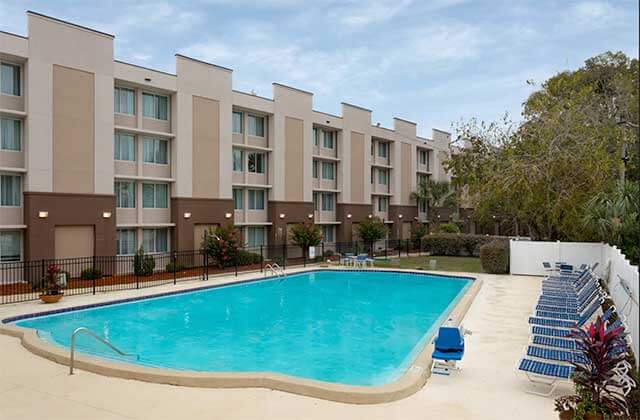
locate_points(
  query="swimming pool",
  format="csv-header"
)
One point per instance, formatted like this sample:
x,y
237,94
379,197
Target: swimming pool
x,y
347,327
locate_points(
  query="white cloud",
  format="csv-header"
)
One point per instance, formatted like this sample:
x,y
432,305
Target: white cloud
x,y
447,43
591,13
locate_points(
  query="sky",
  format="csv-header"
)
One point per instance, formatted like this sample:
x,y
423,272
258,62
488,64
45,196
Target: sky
x,y
434,62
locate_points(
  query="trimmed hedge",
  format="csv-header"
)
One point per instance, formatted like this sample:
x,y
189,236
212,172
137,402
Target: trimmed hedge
x,y
248,258
455,244
90,274
494,257
171,267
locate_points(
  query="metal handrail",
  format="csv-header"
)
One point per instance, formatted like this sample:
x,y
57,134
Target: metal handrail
x,y
275,269
97,337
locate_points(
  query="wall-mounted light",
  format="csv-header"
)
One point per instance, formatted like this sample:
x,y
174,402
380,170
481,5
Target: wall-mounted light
x,y
438,216
370,216
227,215
106,215
399,216
43,214
187,215
310,215
282,215
349,216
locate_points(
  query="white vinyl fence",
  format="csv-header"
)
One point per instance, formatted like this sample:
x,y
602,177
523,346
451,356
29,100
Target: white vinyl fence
x,y
621,277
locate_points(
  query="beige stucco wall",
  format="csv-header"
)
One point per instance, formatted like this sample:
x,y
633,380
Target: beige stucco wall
x,y
206,152
74,241
358,169
406,174
73,130
294,159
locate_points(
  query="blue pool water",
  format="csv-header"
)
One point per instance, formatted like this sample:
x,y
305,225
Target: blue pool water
x,y
349,327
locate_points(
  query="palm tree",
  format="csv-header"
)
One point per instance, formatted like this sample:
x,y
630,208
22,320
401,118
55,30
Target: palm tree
x,y
435,194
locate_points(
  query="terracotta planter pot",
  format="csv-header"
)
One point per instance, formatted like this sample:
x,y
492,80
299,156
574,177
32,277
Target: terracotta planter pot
x,y
566,415
51,298
594,417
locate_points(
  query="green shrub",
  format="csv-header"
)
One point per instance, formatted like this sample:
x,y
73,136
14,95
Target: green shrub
x,y
171,267
248,258
449,228
455,244
494,257
143,265
90,274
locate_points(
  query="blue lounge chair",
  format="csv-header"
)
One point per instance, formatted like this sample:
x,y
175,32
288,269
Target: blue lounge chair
x,y
569,316
562,329
555,355
545,373
561,323
449,347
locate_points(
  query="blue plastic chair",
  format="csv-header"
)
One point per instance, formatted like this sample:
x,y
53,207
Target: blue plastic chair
x,y
449,347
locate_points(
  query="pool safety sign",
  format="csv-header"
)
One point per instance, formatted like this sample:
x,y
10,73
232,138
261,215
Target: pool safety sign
x,y
312,252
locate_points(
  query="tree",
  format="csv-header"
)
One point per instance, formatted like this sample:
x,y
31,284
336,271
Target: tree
x,y
542,172
372,230
222,245
434,194
305,235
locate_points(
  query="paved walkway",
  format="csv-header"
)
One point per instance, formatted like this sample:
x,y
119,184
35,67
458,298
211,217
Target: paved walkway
x,y
487,387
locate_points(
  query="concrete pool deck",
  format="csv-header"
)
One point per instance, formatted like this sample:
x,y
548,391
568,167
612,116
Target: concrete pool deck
x,y
487,387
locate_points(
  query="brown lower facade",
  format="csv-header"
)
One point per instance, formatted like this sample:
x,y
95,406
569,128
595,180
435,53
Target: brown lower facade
x,y
348,215
283,213
403,218
59,223
190,215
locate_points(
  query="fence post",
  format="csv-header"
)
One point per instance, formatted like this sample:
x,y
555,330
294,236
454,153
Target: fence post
x,y
236,264
407,247
386,248
356,249
42,275
205,275
93,276
261,259
322,258
304,256
175,262
284,255
419,246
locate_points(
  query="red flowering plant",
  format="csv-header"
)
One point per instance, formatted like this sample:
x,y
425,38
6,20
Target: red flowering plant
x,y
600,376
221,245
52,284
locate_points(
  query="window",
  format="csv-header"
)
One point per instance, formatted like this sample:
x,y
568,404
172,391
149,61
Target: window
x,y
327,233
423,157
10,245
255,162
126,242
327,170
255,236
155,196
372,172
238,158
125,147
155,151
372,147
10,190
237,199
125,194
315,136
383,177
154,240
327,202
316,202
256,199
256,125
422,206
237,122
10,134
328,140
382,204
383,149
422,178
10,79
315,169
124,101
155,106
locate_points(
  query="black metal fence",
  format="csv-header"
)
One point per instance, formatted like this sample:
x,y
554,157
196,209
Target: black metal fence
x,y
25,280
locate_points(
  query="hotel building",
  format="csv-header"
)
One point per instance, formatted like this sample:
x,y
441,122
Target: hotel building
x,y
99,156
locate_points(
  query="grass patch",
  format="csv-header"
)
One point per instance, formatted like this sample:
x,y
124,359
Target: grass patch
x,y
466,264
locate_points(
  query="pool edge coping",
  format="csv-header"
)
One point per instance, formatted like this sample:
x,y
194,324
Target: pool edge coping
x,y
409,383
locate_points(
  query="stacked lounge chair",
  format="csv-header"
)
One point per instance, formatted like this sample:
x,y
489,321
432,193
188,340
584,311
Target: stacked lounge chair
x,y
569,300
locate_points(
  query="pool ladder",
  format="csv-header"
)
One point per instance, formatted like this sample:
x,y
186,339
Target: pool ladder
x,y
97,337
274,269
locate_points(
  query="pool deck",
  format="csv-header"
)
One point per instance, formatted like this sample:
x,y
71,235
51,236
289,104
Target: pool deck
x,y
486,388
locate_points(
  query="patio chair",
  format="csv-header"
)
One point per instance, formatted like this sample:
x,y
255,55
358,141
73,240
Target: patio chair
x,y
346,258
562,329
448,351
549,374
362,260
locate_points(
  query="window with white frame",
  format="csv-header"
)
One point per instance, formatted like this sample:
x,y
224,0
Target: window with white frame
x,y
125,147
316,136
237,122
155,151
327,202
423,157
422,178
125,192
10,246
256,125
382,204
255,199
126,241
238,159
328,139
316,201
124,101
327,233
155,106
10,190
10,79
422,206
155,240
238,199
383,177
328,170
155,196
256,236
10,134
315,169
255,162
383,149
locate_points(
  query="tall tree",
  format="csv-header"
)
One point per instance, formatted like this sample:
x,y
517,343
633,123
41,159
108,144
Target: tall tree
x,y
434,194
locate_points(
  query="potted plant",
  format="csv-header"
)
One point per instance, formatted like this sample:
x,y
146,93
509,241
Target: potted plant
x,y
54,281
600,375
